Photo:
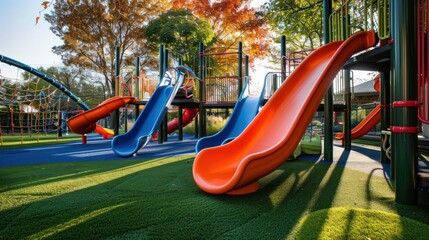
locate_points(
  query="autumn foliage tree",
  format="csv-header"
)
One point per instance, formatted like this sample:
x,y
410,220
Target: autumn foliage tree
x,y
91,29
180,32
232,21
301,21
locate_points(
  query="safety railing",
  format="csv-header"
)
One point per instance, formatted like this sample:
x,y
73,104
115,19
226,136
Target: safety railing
x,y
293,59
360,15
221,89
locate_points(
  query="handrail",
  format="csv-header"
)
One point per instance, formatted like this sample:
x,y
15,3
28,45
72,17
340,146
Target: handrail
x,y
383,19
342,24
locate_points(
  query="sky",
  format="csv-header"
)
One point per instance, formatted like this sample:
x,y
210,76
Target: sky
x,y
21,39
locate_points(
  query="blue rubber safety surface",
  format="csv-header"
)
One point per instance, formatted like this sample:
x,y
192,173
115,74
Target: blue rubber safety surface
x,y
96,149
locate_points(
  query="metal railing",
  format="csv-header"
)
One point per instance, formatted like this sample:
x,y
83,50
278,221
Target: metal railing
x,y
221,89
360,15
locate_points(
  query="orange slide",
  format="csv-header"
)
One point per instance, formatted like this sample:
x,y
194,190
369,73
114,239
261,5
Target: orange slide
x,y
370,121
365,125
86,122
272,136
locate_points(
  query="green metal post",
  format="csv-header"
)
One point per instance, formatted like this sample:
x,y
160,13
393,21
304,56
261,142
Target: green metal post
x,y
347,93
180,122
137,87
283,57
274,85
329,100
117,73
202,110
161,72
240,68
180,113
347,112
405,125
246,66
165,121
385,110
392,88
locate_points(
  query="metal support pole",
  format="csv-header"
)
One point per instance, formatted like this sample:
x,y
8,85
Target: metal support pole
x,y
246,66
165,121
202,110
116,90
180,122
392,89
137,87
283,57
161,72
405,125
240,68
385,111
328,146
347,112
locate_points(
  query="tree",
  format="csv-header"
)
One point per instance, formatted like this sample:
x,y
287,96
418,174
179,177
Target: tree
x,y
232,21
92,29
301,21
180,32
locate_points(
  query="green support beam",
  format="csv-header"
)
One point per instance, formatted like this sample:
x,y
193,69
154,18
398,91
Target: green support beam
x,y
328,146
161,72
385,111
117,86
405,125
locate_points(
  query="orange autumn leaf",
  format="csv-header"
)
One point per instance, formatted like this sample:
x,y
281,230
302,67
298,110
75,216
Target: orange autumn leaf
x,y
232,21
107,16
45,4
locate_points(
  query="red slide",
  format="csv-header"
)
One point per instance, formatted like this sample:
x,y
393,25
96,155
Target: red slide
x,y
365,125
273,135
187,117
86,122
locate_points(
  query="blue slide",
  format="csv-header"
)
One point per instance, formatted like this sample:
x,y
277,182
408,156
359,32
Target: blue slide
x,y
245,110
148,122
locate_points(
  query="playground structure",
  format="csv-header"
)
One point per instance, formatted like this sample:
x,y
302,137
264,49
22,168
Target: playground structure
x,y
273,135
148,122
31,107
245,110
238,172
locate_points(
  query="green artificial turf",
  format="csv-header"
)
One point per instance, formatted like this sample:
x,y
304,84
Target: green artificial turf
x,y
34,140
355,223
157,199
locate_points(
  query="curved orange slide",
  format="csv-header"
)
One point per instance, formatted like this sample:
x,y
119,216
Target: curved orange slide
x,y
272,136
365,125
86,122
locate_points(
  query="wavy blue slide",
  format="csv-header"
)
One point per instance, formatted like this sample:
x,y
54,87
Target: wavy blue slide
x,y
245,110
148,122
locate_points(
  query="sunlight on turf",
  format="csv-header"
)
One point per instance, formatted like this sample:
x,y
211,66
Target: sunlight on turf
x,y
73,222
293,182
342,223
52,189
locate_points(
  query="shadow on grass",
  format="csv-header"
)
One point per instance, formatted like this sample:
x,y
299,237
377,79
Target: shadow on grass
x,y
35,175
